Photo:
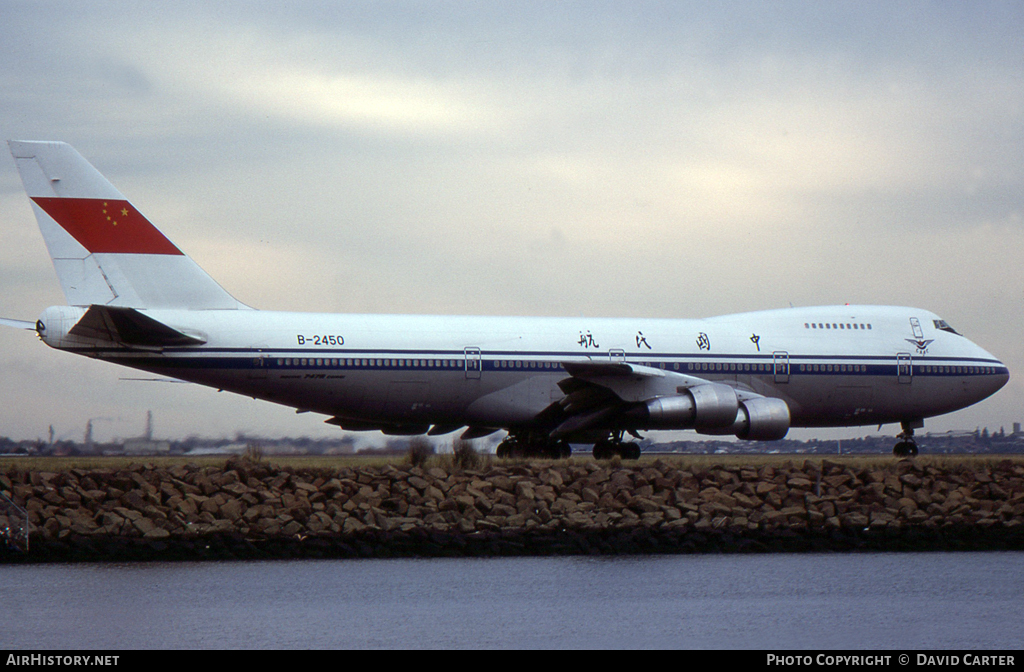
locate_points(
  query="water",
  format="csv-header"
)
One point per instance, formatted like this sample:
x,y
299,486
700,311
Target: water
x,y
882,600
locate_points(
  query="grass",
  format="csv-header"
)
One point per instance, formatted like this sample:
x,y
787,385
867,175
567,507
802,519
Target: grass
x,y
420,451
447,461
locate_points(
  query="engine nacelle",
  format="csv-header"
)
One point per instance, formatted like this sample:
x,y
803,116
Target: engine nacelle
x,y
759,419
708,406
767,419
716,405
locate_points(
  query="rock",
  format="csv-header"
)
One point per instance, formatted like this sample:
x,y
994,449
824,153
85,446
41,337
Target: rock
x,y
231,509
418,483
523,500
144,525
502,510
551,477
524,490
854,520
800,483
645,506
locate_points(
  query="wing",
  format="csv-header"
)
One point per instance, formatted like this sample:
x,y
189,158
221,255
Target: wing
x,y
631,396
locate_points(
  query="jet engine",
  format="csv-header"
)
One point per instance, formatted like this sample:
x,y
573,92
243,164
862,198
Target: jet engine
x,y
710,405
759,419
715,409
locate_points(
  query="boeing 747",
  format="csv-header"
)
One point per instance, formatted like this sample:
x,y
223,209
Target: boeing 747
x,y
136,300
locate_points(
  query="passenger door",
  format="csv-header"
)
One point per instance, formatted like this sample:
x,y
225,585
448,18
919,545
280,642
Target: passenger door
x,y
904,367
780,361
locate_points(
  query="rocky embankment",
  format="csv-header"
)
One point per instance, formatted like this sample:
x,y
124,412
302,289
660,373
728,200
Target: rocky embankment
x,y
254,510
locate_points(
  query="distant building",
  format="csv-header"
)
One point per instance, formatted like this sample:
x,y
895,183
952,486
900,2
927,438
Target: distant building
x,y
144,446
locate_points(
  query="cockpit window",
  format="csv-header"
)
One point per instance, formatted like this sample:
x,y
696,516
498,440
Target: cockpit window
x,y
941,324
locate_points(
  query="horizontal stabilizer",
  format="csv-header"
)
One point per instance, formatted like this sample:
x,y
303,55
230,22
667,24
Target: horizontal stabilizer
x,y
17,324
129,326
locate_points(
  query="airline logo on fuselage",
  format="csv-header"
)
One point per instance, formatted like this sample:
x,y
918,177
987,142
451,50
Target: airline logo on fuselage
x,y
921,344
106,225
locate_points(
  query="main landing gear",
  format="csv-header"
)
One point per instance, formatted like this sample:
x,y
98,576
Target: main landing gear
x,y
533,444
906,446
614,445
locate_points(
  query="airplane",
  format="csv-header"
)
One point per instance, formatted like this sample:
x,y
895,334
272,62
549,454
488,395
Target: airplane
x,y
136,300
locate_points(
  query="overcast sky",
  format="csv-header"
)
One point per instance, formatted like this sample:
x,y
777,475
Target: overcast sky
x,y
524,158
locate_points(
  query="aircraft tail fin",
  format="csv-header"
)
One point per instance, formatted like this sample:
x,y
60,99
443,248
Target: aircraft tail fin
x,y
105,251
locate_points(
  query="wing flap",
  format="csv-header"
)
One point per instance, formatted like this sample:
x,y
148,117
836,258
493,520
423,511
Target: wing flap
x,y
629,382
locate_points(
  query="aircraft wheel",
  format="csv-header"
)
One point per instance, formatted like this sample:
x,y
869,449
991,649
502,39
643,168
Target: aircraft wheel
x,y
905,449
604,450
507,448
629,451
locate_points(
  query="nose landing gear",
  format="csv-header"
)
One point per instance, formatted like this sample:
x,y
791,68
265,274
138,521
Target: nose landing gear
x,y
906,446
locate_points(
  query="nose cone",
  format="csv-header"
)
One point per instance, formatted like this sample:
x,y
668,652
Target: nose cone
x,y
994,381
1002,377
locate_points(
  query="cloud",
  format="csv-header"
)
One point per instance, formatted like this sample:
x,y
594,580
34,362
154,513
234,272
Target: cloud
x,y
660,159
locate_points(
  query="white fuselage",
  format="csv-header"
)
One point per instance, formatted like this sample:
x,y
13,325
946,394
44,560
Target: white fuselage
x,y
136,299
833,366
